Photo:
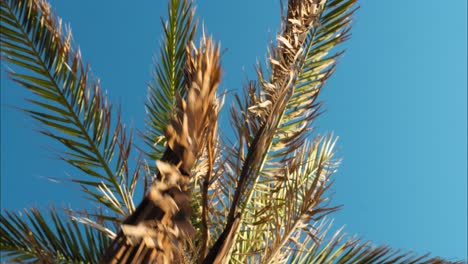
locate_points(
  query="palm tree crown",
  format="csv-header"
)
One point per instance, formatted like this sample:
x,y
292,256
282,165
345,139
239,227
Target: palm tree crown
x,y
260,199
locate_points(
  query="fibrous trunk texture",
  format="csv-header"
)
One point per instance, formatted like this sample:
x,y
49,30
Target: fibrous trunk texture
x,y
157,231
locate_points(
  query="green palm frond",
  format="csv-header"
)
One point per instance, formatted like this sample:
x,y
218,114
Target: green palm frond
x,y
71,108
34,237
169,80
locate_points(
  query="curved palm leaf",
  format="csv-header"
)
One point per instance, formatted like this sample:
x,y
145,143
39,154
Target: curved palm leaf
x,y
72,109
35,237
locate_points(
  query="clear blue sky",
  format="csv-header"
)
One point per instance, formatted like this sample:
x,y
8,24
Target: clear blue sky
x,y
398,102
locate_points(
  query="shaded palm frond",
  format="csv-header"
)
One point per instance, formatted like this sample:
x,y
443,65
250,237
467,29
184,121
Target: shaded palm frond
x,y
209,187
206,173
160,226
34,237
71,108
169,80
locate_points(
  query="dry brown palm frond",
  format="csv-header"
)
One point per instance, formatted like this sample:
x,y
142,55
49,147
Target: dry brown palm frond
x,y
264,112
274,117
264,199
161,223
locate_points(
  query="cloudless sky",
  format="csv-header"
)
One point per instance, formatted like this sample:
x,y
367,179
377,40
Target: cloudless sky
x,y
398,102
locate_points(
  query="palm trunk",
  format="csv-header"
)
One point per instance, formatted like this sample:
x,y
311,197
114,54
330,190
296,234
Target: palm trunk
x,y
156,231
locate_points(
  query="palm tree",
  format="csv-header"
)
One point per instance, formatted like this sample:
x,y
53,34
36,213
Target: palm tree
x,y
260,199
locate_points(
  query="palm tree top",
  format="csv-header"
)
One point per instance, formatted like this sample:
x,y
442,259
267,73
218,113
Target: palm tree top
x,y
262,196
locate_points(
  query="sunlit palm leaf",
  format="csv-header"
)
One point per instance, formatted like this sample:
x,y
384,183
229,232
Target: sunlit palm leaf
x,y
33,236
169,80
342,249
72,109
